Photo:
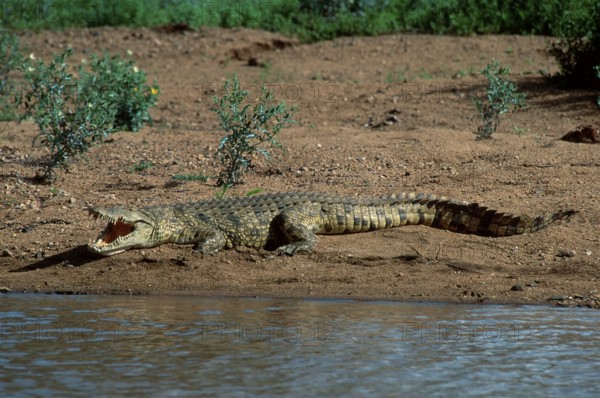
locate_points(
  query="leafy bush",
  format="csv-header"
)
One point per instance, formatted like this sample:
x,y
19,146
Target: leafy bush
x,y
10,60
69,123
123,85
247,129
578,50
75,113
501,97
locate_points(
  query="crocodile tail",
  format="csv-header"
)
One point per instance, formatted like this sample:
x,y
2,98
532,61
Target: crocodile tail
x,y
471,218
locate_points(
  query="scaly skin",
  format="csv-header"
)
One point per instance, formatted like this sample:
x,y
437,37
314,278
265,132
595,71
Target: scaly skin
x,y
289,222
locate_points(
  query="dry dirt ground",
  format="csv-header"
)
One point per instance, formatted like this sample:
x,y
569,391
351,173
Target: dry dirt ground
x,y
376,115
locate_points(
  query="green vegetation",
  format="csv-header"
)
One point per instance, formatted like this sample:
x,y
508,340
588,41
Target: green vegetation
x,y
141,166
501,97
310,20
463,72
10,61
254,191
578,50
396,77
69,124
247,129
124,86
75,113
190,177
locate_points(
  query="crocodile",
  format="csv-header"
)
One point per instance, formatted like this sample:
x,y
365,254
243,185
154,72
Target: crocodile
x,y
289,222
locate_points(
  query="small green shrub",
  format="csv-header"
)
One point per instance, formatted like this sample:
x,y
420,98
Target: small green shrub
x,y
141,166
10,60
74,113
69,123
123,85
247,128
501,97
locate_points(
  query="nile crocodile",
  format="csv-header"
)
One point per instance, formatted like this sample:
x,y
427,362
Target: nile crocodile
x,y
289,222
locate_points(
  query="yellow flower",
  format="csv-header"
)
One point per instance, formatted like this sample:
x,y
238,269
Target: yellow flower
x,y
136,69
135,89
154,91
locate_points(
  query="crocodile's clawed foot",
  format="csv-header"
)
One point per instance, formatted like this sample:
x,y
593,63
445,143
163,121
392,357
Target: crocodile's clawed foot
x,y
294,248
204,251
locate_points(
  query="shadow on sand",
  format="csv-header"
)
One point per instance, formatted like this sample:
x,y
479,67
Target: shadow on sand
x,y
77,256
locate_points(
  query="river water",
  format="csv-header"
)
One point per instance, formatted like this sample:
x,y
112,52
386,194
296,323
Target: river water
x,y
161,346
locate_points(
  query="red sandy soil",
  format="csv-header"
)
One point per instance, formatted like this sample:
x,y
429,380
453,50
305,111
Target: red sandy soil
x,y
376,115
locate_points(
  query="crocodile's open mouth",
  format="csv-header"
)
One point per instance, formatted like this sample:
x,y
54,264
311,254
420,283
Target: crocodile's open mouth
x,y
115,237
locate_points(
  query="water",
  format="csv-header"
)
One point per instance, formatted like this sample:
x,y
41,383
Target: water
x,y
191,346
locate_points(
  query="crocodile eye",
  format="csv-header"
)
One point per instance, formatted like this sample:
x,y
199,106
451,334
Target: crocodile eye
x,y
116,230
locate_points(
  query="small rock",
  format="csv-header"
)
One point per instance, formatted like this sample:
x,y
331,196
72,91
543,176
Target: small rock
x,y
566,253
517,288
7,253
558,297
72,200
4,289
531,284
587,252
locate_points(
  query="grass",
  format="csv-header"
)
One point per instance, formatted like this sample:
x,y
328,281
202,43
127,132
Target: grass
x,y
425,75
471,70
8,200
518,130
190,177
141,166
398,76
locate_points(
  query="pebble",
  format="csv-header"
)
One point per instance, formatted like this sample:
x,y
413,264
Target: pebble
x,y
517,288
566,253
7,253
4,289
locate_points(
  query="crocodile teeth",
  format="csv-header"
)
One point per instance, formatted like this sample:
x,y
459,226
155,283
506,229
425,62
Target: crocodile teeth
x,y
115,231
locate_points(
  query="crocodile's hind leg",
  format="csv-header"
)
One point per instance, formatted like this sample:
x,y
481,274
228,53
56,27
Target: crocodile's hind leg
x,y
294,229
209,241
